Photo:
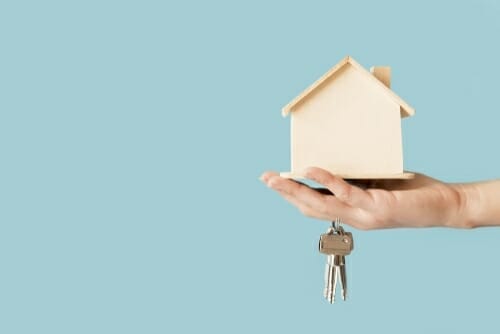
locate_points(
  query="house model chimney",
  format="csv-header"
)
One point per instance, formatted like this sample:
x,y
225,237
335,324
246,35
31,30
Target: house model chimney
x,y
382,73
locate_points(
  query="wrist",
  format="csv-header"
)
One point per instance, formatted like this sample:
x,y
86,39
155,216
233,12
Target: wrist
x,y
468,195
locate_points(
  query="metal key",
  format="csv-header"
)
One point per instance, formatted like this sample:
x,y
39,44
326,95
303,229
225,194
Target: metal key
x,y
336,244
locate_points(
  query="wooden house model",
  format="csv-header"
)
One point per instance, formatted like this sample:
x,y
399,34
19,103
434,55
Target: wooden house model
x,y
349,123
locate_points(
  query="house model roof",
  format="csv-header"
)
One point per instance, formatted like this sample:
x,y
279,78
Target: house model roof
x,y
405,108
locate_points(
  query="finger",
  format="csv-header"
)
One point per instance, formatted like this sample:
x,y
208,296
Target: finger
x,y
345,192
267,175
305,209
302,192
336,209
324,206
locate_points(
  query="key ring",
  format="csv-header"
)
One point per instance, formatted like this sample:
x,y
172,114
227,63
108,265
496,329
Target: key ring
x,y
336,225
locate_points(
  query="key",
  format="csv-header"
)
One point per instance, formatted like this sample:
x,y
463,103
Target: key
x,y
342,273
336,244
330,275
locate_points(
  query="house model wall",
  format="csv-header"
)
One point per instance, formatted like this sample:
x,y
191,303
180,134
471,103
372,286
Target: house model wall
x,y
349,123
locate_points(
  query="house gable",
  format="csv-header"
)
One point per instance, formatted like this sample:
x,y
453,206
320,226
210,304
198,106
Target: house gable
x,y
405,109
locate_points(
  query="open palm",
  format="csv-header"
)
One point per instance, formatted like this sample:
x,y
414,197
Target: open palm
x,y
418,202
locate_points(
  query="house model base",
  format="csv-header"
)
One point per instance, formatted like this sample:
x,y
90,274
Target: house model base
x,y
349,123
405,175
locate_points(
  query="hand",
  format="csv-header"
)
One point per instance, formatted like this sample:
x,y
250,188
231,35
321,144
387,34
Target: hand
x,y
418,202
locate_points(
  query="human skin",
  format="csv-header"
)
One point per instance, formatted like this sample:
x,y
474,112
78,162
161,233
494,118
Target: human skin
x,y
418,202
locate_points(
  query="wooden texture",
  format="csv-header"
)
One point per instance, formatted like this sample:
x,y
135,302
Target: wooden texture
x,y
405,175
349,123
405,108
348,127
383,74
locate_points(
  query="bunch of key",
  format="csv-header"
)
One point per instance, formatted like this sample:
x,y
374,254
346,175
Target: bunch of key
x,y
336,244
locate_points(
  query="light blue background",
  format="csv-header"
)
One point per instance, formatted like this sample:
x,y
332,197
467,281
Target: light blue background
x,y
132,135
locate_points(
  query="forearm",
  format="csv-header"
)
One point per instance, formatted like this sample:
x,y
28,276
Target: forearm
x,y
480,203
